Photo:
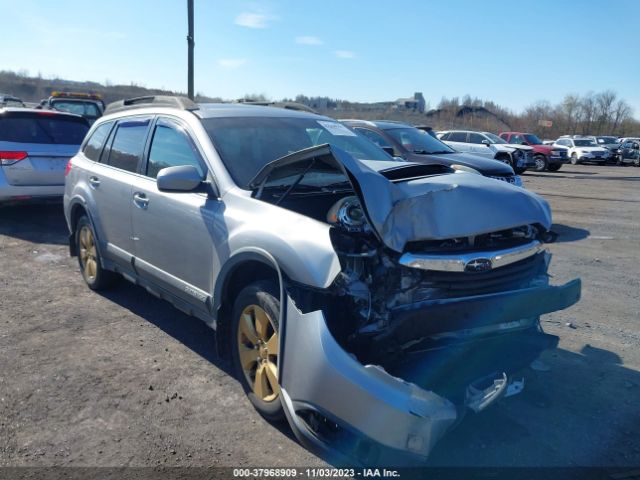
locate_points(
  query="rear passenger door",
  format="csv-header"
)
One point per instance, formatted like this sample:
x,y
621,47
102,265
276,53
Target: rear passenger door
x,y
110,183
174,231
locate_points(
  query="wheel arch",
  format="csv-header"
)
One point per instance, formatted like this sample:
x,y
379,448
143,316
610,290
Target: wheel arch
x,y
243,268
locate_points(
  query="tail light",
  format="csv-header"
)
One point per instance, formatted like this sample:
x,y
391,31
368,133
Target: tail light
x,y
67,169
9,158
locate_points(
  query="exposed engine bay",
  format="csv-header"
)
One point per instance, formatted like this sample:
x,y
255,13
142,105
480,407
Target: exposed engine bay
x,y
439,312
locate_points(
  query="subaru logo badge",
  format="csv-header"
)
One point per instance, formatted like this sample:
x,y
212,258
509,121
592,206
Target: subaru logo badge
x,y
478,265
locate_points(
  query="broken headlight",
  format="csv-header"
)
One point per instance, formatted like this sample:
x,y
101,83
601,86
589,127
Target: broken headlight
x,y
347,213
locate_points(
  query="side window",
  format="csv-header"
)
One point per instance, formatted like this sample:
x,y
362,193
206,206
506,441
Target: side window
x,y
516,139
375,137
95,143
476,138
171,147
458,137
445,136
128,144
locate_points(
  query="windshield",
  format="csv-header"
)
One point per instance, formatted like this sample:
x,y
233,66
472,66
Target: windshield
x,y
584,143
493,138
246,144
418,141
533,139
86,109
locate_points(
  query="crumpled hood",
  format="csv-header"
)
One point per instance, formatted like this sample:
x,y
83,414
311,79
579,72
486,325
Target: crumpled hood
x,y
428,208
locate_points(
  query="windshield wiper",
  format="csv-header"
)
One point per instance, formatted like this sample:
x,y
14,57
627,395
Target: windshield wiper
x,y
426,152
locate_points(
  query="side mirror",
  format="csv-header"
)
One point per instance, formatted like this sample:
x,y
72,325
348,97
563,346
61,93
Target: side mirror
x,y
184,178
389,150
523,143
486,142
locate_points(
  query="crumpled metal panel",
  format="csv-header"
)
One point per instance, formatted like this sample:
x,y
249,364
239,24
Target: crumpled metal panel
x,y
441,207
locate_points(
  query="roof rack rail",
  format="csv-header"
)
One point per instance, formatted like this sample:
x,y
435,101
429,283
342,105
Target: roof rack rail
x,y
286,105
182,103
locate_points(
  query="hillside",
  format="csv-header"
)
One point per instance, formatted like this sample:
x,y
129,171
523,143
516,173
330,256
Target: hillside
x,y
34,89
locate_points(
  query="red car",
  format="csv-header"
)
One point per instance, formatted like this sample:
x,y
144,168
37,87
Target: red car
x,y
547,157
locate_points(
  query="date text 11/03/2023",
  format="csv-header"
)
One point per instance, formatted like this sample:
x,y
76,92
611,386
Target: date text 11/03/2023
x,y
315,473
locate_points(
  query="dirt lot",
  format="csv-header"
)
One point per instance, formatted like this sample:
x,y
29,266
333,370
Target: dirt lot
x,y
125,379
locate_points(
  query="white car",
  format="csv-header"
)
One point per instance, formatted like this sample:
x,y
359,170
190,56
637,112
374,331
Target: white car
x,y
583,150
520,157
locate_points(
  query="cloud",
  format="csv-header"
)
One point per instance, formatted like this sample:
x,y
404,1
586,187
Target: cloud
x,y
345,54
254,20
231,62
308,40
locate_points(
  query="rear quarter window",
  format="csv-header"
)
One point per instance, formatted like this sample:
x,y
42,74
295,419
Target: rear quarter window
x,y
43,128
95,143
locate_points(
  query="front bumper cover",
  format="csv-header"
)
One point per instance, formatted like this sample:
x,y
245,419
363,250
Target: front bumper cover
x,y
386,411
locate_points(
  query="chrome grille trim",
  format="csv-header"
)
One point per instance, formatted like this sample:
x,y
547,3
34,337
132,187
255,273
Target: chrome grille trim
x,y
458,262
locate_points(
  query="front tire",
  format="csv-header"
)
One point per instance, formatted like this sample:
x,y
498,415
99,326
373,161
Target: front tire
x,y
574,159
255,345
95,276
541,163
554,167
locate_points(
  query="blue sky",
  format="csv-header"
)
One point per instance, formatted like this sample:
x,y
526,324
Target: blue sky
x,y
512,52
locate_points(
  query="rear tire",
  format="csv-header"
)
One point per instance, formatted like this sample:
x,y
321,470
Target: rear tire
x,y
255,346
541,163
554,167
95,276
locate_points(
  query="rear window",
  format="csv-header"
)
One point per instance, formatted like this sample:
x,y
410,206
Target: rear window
x,y
42,127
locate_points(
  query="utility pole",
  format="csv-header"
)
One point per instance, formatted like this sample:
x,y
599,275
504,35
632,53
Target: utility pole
x,y
190,44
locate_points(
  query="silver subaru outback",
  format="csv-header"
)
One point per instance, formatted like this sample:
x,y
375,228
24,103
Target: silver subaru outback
x,y
371,302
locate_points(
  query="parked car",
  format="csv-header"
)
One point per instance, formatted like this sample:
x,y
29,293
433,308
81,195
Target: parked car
x,y
520,157
583,150
10,101
414,145
87,105
629,152
35,147
609,142
317,258
546,157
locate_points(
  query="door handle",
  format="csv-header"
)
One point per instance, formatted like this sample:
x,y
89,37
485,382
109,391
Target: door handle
x,y
94,182
140,200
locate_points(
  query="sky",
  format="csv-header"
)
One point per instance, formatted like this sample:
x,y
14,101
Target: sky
x,y
512,52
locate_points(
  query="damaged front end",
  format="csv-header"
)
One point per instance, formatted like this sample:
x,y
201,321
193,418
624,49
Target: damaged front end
x,y
436,307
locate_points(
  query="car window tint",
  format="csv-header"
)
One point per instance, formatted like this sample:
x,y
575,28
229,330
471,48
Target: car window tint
x,y
516,139
128,144
171,148
476,138
375,137
458,137
42,127
94,145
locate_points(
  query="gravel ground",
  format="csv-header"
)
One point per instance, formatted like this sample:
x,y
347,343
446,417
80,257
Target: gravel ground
x,y
122,378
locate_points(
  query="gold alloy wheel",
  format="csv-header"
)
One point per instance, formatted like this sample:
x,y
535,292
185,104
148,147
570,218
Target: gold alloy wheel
x,y
258,350
88,254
